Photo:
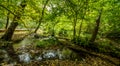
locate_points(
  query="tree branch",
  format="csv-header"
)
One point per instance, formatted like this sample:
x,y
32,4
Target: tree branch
x,y
42,15
7,9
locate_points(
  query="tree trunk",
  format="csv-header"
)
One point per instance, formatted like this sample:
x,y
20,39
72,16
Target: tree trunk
x,y
80,28
11,52
9,32
41,18
95,32
7,22
74,29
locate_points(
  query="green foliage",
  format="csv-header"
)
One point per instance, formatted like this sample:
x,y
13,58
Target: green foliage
x,y
105,46
69,54
63,33
82,41
61,17
46,42
109,49
1,24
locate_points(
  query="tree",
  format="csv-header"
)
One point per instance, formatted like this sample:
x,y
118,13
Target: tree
x,y
73,12
7,22
18,13
41,18
96,28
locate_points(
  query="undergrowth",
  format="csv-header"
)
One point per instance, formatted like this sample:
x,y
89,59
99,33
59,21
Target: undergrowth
x,y
47,42
101,46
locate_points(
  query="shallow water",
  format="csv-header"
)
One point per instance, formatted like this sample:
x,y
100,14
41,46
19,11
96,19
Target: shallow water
x,y
27,57
27,52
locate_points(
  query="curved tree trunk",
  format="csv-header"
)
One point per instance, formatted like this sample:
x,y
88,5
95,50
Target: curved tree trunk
x,y
41,18
9,32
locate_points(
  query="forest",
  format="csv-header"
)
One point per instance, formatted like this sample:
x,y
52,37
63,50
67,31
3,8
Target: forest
x,y
59,32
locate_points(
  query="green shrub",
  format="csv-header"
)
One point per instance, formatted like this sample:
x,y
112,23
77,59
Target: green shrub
x,y
46,43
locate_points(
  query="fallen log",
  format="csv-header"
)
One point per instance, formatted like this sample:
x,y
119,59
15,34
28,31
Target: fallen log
x,y
82,50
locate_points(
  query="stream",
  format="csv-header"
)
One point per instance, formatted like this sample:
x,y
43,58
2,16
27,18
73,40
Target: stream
x,y
46,51
27,52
